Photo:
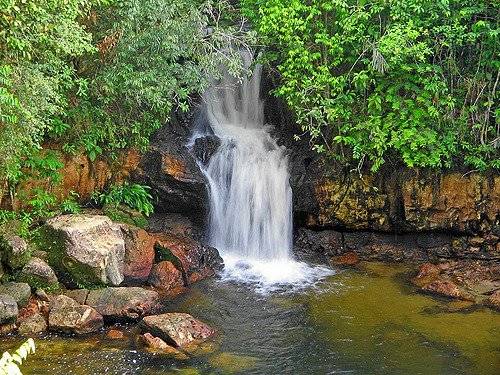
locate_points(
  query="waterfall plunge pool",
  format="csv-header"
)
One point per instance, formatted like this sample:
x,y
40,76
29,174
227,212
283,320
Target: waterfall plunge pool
x,y
357,321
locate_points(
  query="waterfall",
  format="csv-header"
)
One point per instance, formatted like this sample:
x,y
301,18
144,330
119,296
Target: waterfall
x,y
250,219
251,198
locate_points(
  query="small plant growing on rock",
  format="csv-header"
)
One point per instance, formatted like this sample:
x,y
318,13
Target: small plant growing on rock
x,y
9,363
135,196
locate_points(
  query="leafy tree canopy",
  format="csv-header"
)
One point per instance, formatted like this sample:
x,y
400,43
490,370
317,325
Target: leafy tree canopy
x,y
377,80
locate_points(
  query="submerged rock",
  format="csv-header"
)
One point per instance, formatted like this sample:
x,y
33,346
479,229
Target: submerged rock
x,y
68,316
115,334
232,363
158,345
123,302
90,249
447,288
465,280
347,259
493,300
165,276
21,292
8,309
179,329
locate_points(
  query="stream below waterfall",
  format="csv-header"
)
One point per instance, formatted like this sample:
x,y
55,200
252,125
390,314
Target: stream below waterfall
x,y
356,321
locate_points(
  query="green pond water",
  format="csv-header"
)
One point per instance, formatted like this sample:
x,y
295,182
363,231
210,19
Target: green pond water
x,y
363,321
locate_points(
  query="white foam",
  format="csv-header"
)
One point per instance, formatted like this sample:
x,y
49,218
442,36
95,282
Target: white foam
x,y
277,275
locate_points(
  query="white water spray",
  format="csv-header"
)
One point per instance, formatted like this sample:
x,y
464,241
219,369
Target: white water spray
x,y
250,195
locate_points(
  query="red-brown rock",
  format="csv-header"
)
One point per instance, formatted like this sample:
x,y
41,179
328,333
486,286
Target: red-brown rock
x,y
115,334
447,288
165,276
347,259
67,315
139,254
428,269
191,255
493,301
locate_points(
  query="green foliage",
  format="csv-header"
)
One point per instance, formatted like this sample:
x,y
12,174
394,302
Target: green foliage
x,y
9,363
134,196
154,56
373,79
70,205
124,214
37,40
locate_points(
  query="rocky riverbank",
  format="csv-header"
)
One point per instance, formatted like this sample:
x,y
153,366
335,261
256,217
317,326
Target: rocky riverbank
x,y
83,273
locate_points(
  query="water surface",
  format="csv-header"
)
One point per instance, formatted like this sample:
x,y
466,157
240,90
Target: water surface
x,y
365,321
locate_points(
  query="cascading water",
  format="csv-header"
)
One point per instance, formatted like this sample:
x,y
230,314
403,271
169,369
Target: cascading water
x,y
250,195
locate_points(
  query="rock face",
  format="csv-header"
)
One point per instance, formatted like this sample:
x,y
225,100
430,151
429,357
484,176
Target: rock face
x,y
139,254
391,246
403,201
39,274
170,169
83,176
165,276
395,199
123,302
21,292
90,249
68,316
179,329
8,309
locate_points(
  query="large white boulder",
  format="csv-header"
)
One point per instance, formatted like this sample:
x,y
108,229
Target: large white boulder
x,y
87,249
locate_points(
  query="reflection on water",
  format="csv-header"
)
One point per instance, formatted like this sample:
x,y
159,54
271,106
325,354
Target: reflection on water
x,y
357,322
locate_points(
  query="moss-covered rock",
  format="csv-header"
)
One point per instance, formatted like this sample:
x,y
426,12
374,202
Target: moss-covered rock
x,y
15,251
39,275
21,292
85,250
8,309
126,215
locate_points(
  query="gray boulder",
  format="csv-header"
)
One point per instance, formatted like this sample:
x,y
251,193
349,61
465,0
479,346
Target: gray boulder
x,y
68,316
16,252
33,325
8,309
89,249
39,274
21,292
123,302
